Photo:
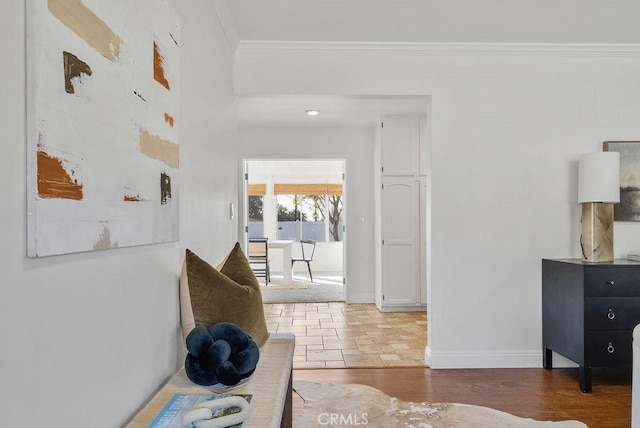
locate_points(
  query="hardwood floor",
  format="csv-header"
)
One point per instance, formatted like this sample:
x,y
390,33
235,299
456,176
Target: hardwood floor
x,y
363,336
533,393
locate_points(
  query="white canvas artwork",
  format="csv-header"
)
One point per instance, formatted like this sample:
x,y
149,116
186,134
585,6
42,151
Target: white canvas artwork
x,y
102,124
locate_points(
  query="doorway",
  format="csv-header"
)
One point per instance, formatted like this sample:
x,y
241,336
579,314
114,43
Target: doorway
x,y
293,200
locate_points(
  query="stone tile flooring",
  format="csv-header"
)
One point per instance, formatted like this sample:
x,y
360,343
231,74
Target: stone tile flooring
x,y
336,334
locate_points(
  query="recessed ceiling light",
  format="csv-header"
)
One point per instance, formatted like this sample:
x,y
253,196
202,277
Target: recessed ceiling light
x,y
313,112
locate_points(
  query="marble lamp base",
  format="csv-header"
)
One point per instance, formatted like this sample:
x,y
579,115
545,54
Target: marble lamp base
x,y
597,232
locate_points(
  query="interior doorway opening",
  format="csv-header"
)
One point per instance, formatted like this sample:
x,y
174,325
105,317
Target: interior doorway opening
x,y
293,202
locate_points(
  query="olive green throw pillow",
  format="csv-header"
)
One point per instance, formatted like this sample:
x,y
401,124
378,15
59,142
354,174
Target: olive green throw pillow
x,y
231,294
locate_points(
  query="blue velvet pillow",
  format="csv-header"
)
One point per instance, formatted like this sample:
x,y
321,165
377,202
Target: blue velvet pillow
x,y
222,353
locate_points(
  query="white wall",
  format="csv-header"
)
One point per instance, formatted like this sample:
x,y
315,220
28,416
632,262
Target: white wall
x,y
508,125
87,338
355,145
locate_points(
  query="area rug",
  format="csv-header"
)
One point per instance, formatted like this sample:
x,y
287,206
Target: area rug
x,y
294,285
360,405
313,293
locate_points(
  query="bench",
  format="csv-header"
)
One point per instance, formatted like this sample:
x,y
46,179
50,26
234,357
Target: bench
x,y
270,386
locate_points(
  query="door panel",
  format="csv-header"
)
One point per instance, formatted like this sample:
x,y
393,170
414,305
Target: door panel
x,y
400,231
399,286
400,146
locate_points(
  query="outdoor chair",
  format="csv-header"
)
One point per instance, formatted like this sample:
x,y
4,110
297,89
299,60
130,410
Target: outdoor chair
x,y
308,247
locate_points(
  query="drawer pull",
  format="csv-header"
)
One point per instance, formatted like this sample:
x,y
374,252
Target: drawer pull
x,y
610,348
610,314
610,283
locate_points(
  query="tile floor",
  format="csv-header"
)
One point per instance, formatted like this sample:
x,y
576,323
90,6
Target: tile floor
x,y
336,334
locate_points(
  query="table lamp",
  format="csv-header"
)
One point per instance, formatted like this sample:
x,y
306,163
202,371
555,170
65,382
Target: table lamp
x,y
598,190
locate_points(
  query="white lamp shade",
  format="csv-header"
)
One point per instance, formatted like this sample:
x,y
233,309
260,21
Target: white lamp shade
x,y
599,177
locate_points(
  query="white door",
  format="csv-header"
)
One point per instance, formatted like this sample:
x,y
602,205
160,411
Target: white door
x,y
400,242
400,146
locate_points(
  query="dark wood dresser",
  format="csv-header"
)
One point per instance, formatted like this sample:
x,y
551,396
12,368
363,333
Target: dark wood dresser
x,y
589,311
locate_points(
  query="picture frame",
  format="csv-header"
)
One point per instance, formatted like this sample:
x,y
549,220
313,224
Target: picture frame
x,y
628,210
103,98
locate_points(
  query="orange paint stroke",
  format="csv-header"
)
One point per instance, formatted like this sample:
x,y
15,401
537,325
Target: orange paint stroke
x,y
158,67
169,119
82,21
157,148
54,181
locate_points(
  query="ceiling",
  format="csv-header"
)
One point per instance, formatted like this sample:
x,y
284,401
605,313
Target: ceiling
x,y
411,21
304,171
335,110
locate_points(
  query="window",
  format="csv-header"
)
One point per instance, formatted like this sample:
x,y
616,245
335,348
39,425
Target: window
x,y
309,211
256,213
334,210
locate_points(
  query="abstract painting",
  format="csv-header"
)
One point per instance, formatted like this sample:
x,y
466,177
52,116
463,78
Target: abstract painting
x,y
102,124
629,207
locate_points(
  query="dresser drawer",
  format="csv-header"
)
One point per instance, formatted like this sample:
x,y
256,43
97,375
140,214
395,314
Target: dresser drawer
x,y
608,348
612,281
612,313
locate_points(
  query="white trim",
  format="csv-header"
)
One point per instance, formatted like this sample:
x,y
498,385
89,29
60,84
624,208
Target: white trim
x,y
483,359
428,356
227,22
403,308
440,49
360,298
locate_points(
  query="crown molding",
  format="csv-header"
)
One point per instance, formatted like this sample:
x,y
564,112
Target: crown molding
x,y
436,49
227,22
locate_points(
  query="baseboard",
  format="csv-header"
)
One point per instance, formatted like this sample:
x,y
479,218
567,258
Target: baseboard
x,y
403,308
361,298
488,359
